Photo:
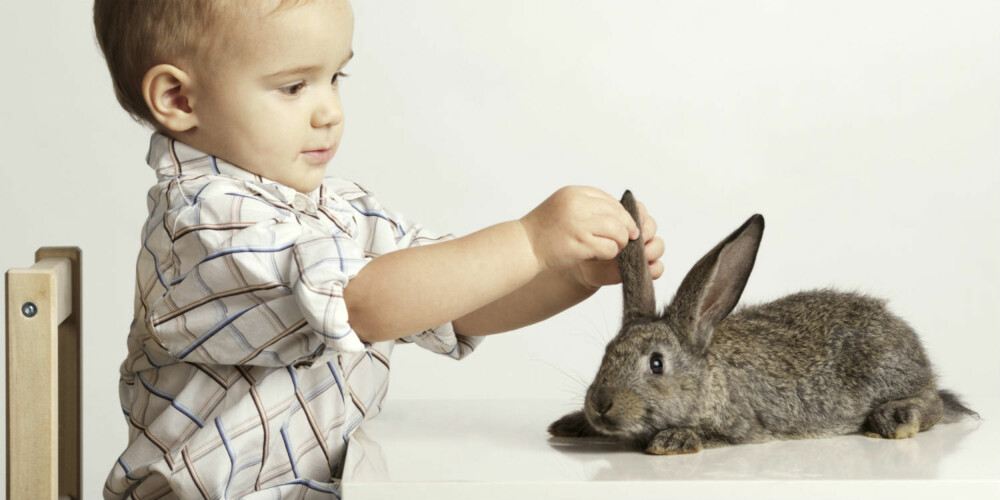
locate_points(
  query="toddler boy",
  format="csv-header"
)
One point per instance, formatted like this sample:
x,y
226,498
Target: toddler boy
x,y
269,297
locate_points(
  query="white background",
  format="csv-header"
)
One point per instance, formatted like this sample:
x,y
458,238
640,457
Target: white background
x,y
866,132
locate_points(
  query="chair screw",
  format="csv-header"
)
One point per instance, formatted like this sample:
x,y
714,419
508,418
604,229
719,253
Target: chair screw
x,y
29,309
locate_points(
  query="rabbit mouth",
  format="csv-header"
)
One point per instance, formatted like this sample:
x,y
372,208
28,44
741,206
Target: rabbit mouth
x,y
602,423
615,427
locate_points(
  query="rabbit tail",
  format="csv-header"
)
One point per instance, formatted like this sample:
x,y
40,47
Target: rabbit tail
x,y
954,408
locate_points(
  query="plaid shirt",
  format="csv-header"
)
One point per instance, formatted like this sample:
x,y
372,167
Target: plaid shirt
x,y
244,378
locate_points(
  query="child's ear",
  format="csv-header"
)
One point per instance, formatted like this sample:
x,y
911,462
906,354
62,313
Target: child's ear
x,y
168,93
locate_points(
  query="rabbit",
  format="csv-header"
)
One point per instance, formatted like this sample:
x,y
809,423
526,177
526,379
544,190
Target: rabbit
x,y
811,364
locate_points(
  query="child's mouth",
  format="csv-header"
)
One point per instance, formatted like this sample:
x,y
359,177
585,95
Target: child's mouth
x,y
319,155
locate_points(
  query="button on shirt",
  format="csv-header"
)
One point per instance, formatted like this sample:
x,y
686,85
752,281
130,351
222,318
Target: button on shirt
x,y
244,378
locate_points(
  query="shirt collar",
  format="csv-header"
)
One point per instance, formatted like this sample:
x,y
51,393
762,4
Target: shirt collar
x,y
171,158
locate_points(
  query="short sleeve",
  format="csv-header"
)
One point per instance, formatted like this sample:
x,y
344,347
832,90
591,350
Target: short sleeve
x,y
249,281
406,233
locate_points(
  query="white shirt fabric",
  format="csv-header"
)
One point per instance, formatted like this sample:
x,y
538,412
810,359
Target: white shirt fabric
x,y
244,378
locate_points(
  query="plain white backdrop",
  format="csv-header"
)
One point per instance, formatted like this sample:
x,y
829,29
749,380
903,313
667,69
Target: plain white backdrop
x,y
866,132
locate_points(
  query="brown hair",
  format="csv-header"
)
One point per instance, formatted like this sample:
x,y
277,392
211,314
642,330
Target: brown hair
x,y
136,35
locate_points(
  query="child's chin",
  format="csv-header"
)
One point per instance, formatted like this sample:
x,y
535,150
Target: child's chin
x,y
310,180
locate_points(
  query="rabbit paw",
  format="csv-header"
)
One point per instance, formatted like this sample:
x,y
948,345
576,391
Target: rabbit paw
x,y
894,420
674,442
573,425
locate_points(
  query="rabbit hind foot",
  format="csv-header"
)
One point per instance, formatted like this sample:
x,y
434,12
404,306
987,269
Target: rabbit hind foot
x,y
904,418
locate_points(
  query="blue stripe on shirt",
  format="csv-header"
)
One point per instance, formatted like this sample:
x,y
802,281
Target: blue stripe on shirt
x,y
229,450
219,326
228,251
173,402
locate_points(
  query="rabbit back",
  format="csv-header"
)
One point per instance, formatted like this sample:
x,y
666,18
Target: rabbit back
x,y
811,364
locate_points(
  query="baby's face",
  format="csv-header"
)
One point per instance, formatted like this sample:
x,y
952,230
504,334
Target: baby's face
x,y
269,102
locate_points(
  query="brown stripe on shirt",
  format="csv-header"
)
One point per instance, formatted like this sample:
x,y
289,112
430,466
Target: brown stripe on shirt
x,y
194,474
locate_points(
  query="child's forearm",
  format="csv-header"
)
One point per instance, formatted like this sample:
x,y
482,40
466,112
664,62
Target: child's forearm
x,y
411,290
551,292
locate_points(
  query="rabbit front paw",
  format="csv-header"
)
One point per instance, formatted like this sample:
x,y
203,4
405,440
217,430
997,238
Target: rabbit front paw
x,y
674,441
573,425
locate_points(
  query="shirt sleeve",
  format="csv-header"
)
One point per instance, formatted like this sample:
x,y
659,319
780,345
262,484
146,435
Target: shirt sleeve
x,y
407,233
247,281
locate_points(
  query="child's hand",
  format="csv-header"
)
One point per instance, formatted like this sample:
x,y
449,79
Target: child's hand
x,y
578,224
598,273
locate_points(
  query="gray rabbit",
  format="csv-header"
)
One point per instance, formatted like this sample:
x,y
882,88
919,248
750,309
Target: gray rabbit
x,y
811,364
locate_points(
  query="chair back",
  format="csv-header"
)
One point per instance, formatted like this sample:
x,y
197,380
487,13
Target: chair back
x,y
43,377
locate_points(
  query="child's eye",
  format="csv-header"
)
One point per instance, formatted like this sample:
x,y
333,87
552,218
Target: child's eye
x,y
337,76
294,88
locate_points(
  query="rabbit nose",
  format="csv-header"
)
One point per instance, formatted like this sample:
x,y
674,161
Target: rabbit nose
x,y
603,408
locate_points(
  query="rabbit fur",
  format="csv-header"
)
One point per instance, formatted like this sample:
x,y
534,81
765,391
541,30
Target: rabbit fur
x,y
812,364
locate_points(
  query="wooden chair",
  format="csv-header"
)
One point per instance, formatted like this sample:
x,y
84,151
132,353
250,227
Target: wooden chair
x,y
43,377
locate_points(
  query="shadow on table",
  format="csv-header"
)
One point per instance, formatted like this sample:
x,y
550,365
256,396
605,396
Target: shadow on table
x,y
844,457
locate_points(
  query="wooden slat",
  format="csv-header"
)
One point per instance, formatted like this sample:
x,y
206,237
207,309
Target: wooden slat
x,y
43,366
62,297
32,378
70,377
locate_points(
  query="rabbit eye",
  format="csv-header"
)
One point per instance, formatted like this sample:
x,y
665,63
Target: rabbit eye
x,y
656,364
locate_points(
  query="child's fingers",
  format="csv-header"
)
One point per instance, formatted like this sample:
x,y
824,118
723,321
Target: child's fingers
x,y
601,248
613,209
654,249
611,227
605,204
649,227
656,270
626,219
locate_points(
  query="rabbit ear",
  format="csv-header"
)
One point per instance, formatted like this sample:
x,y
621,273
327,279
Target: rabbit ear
x,y
637,285
713,286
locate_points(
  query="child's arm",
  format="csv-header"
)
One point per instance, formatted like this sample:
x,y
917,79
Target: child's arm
x,y
555,290
411,290
550,292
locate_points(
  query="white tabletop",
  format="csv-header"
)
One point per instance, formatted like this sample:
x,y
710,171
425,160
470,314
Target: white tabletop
x,y
500,449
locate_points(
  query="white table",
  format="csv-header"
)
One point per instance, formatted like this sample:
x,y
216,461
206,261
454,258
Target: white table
x,y
500,450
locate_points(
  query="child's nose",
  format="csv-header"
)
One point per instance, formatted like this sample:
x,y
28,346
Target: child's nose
x,y
328,111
